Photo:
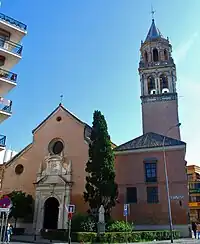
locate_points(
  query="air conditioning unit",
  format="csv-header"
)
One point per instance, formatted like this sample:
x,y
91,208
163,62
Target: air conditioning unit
x,y
165,90
153,92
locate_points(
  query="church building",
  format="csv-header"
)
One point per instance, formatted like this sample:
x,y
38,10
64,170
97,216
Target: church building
x,y
52,167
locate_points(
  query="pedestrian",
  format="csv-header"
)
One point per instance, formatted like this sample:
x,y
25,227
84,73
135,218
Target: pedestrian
x,y
9,232
194,229
198,230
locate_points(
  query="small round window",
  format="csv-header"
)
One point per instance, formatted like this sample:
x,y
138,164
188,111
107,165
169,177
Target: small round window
x,y
57,147
19,169
58,118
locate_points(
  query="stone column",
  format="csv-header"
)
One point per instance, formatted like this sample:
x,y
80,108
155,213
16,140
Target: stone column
x,y
60,216
170,85
156,85
142,85
41,214
145,86
158,81
35,218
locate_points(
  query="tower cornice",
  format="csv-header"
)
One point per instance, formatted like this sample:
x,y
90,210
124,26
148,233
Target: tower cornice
x,y
159,97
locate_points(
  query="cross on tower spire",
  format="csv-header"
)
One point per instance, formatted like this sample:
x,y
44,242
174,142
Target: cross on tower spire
x,y
61,99
152,12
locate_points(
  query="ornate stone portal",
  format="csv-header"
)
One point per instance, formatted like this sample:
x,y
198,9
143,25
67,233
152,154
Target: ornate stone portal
x,y
52,193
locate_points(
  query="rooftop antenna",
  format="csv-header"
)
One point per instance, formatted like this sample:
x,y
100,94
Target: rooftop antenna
x,y
152,12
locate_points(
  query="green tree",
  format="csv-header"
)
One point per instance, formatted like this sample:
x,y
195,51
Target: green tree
x,y
100,188
22,205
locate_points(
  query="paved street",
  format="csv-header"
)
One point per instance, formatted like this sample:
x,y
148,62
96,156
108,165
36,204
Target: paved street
x,y
186,241
29,239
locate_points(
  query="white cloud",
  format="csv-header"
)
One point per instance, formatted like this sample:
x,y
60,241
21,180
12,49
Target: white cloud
x,y
188,87
182,50
190,117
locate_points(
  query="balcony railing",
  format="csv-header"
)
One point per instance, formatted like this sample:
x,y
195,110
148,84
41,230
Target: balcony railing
x,y
2,141
5,105
12,21
194,190
194,187
11,46
8,75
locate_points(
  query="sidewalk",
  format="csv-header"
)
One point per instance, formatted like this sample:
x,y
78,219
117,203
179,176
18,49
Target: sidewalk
x,y
40,240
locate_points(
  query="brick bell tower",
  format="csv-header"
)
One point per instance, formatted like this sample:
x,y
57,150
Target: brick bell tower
x,y
158,85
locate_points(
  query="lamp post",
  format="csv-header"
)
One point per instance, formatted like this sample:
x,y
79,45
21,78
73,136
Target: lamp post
x,y
167,181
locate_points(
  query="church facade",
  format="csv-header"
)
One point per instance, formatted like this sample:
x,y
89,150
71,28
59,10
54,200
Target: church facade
x,y
52,167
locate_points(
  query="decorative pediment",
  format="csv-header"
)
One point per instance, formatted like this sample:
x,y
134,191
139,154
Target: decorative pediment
x,y
51,180
55,165
55,169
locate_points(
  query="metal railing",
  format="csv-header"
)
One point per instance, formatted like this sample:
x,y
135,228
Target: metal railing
x,y
2,140
12,21
11,46
5,105
8,75
194,187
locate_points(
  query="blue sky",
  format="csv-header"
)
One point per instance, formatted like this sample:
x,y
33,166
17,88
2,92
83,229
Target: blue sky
x,y
89,52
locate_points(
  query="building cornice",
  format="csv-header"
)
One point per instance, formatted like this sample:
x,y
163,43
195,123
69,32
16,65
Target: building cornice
x,y
156,149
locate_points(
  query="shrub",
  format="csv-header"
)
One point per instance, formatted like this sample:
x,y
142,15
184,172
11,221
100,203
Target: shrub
x,y
89,225
84,237
82,223
110,237
120,226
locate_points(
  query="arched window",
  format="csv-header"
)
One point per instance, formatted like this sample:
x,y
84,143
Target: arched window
x,y
155,55
151,85
163,82
165,55
145,57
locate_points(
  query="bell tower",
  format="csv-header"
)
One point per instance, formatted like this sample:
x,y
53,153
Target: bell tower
x,y
158,85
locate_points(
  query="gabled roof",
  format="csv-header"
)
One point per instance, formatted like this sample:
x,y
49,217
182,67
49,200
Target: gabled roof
x,y
18,154
87,131
148,140
54,111
153,33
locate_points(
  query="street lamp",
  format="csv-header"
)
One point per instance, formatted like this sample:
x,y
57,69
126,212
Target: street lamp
x,y
167,181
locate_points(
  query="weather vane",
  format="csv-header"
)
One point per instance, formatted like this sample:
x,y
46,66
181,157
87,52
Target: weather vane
x,y
152,12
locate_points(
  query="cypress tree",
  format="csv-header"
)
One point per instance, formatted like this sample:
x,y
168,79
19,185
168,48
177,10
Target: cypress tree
x,y
100,188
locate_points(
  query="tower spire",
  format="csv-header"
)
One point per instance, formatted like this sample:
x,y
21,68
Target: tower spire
x,y
153,32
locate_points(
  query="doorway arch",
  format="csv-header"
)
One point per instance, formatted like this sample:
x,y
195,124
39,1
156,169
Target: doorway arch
x,y
51,211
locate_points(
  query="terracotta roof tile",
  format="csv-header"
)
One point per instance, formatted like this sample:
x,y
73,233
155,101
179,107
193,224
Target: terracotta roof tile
x,y
148,140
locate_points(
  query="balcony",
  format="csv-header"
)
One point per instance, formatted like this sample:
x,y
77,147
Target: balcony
x,y
5,109
194,187
8,80
2,142
11,51
194,205
17,29
193,191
